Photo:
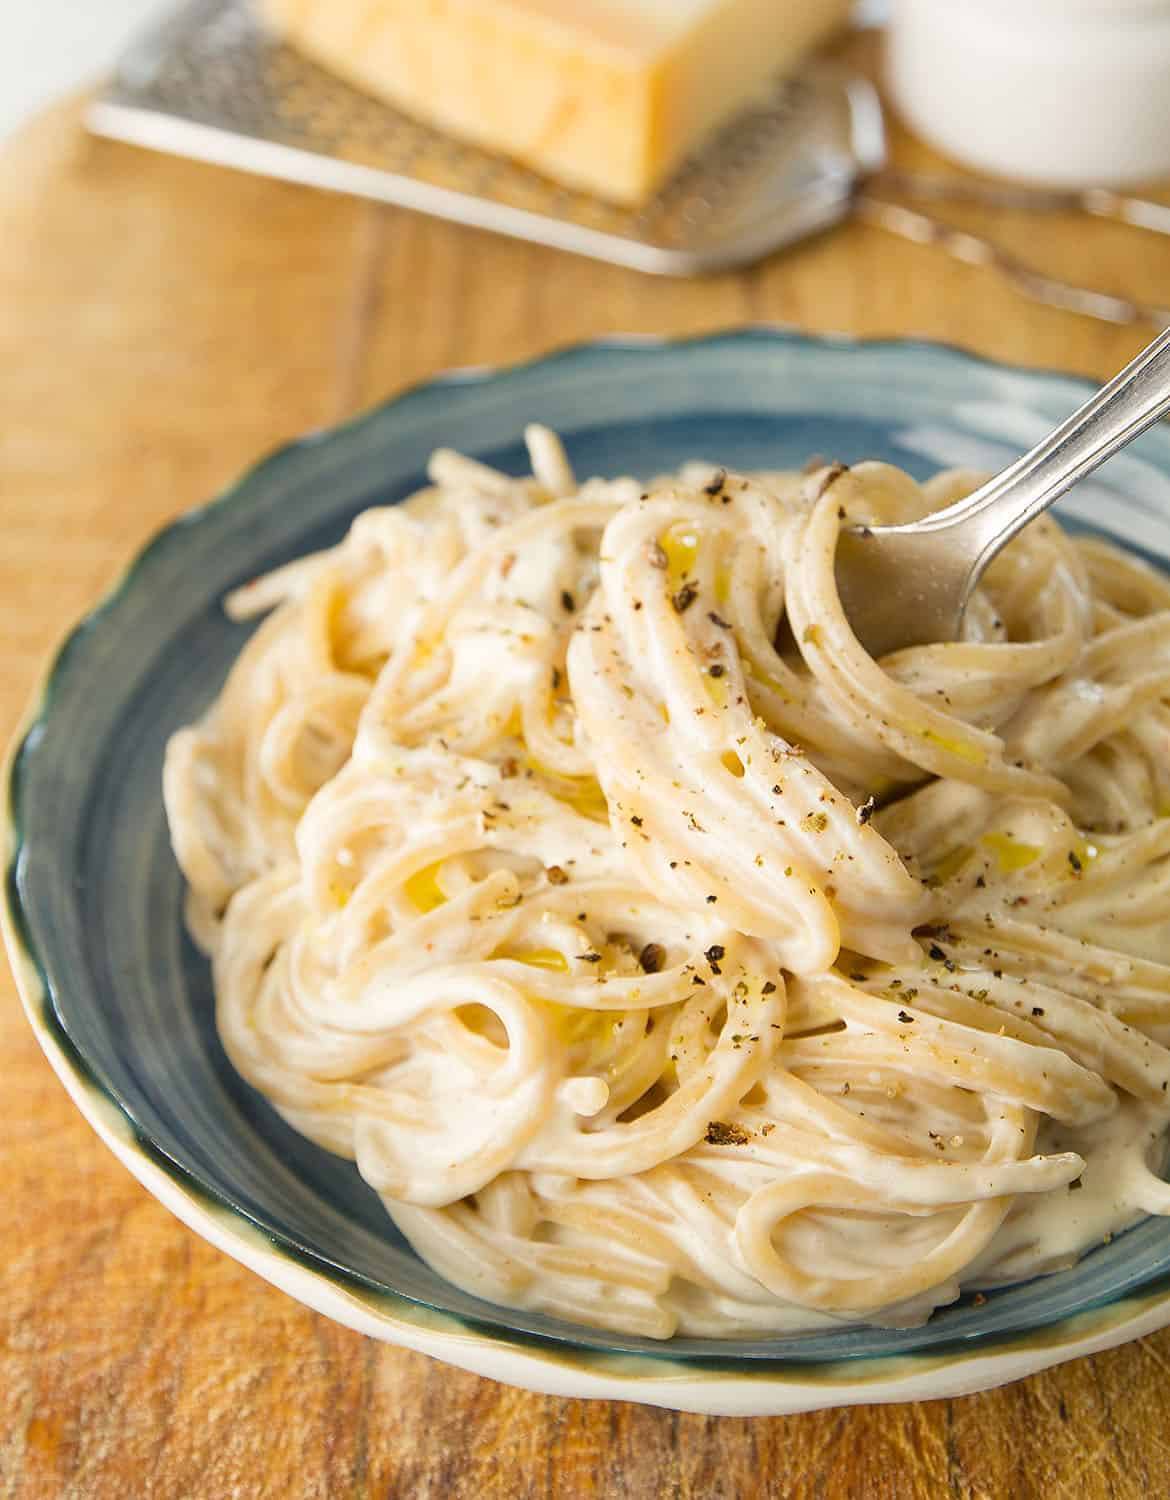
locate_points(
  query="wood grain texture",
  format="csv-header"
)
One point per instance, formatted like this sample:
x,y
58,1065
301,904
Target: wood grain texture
x,y
162,325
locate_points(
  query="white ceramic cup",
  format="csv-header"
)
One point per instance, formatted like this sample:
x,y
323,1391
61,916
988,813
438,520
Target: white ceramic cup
x,y
1070,93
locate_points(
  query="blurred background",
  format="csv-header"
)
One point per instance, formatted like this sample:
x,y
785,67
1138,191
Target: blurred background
x,y
56,44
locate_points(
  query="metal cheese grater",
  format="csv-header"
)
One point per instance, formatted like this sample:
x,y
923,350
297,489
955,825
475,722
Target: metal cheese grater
x,y
210,83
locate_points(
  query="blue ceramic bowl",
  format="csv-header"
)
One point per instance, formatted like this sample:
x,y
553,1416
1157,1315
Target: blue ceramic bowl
x,y
122,1003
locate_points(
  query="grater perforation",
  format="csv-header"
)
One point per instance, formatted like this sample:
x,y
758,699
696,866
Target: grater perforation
x,y
211,83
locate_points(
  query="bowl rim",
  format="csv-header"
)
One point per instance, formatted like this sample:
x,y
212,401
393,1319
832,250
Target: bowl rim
x,y
712,1384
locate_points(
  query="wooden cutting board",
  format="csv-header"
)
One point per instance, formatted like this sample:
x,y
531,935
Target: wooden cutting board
x,y
161,325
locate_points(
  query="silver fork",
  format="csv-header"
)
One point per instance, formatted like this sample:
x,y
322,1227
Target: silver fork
x,y
910,585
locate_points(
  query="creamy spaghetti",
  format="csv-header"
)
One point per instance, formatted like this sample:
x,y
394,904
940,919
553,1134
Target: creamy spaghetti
x,y
662,960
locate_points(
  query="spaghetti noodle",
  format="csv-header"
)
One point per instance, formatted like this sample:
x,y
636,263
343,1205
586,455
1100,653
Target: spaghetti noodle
x,y
662,960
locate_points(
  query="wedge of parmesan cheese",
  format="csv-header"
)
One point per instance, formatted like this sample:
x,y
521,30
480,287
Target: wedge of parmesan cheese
x,y
605,95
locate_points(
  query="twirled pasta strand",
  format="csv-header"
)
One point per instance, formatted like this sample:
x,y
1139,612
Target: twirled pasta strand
x,y
664,961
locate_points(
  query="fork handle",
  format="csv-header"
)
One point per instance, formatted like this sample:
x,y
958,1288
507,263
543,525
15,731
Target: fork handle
x,y
987,520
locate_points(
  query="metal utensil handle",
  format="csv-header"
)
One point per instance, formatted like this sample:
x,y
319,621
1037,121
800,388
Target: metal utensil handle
x,y
1101,203
1132,401
977,250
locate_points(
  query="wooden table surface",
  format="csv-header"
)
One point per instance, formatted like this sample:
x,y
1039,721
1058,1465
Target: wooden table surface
x,y
162,324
